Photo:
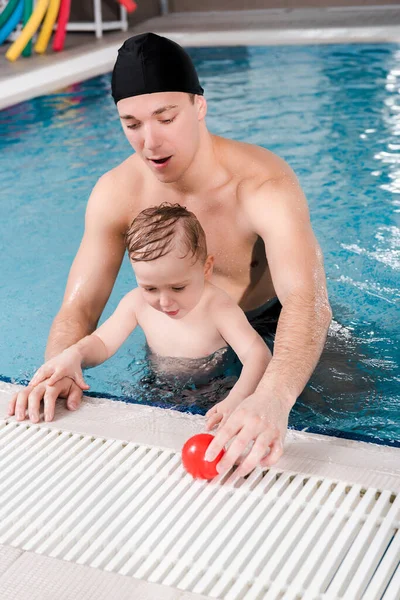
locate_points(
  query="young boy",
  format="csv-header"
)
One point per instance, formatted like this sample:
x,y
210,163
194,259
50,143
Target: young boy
x,y
181,313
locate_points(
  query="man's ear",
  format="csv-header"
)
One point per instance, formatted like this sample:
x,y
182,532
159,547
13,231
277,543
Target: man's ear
x,y
201,104
208,266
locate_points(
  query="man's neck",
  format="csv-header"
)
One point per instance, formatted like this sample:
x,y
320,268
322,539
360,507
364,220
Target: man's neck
x,y
205,172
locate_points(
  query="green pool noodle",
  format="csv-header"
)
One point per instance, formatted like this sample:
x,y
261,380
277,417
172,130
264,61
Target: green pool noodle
x,y
8,11
28,7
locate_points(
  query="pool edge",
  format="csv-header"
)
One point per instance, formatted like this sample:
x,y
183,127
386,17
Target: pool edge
x,y
308,453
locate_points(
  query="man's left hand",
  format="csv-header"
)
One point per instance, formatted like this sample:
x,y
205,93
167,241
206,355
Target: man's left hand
x,y
261,418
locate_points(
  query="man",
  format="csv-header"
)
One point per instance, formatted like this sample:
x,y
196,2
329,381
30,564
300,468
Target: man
x,y
257,225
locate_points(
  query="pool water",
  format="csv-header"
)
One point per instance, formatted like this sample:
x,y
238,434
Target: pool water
x,y
333,112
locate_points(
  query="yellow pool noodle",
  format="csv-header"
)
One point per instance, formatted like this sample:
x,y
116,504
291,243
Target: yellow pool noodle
x,y
28,31
47,27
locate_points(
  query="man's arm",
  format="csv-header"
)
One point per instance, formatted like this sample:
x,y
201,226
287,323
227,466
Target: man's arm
x,y
89,285
93,271
296,265
278,212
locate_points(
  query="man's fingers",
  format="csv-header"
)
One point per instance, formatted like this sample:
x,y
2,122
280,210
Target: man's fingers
x,y
11,405
235,450
50,398
253,459
276,451
22,403
225,433
34,400
74,398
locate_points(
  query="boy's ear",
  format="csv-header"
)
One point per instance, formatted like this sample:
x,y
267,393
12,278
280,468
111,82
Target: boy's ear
x,y
208,266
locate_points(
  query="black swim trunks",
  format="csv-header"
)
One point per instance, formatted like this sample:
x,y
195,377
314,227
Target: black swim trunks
x,y
264,320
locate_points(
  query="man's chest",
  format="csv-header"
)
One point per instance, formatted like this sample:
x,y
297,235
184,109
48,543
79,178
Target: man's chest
x,y
229,237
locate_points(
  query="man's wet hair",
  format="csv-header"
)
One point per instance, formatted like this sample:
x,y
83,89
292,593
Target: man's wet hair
x,y
157,230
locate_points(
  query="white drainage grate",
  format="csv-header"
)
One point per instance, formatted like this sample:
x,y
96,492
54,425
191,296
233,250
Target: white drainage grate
x,y
131,509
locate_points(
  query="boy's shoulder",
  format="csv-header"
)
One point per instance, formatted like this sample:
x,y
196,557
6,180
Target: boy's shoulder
x,y
133,298
218,299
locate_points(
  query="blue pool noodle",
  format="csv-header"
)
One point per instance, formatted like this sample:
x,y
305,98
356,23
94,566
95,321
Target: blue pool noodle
x,y
12,22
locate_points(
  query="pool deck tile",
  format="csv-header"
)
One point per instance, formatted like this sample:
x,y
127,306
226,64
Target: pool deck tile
x,y
8,556
34,577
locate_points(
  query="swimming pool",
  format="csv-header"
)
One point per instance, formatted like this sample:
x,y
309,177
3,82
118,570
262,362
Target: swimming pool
x,y
330,111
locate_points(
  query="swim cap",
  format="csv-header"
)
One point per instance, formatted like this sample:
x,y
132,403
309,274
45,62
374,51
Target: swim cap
x,y
148,63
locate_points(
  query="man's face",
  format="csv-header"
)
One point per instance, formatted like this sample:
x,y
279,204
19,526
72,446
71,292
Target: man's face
x,y
171,284
164,129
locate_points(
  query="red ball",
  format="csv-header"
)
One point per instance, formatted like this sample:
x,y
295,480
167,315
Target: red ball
x,y
193,456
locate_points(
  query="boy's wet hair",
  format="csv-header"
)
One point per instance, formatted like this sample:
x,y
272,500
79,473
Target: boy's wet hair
x,y
159,229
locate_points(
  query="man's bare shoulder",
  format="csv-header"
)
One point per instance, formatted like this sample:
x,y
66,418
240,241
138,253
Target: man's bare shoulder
x,y
253,164
117,191
264,182
125,178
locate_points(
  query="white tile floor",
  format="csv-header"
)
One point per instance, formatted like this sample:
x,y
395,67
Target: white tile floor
x,y
28,576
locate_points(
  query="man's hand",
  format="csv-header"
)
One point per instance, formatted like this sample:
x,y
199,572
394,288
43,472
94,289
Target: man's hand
x,y
261,418
31,397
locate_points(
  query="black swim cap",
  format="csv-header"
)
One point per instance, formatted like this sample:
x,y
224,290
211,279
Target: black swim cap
x,y
148,63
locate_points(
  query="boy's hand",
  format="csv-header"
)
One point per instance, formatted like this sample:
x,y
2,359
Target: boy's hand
x,y
31,397
218,414
66,364
261,418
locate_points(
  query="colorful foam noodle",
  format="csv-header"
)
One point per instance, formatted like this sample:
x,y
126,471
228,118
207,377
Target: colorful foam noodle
x,y
47,27
8,11
28,31
28,8
13,20
130,5
63,17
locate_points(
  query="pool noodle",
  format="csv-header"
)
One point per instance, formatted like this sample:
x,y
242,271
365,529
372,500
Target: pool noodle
x,y
12,21
8,11
28,31
129,5
28,8
63,17
47,27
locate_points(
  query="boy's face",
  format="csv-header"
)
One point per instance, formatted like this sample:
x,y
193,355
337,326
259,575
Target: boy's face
x,y
171,284
163,128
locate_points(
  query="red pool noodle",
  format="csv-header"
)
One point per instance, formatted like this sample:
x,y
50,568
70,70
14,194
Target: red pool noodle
x,y
63,17
130,5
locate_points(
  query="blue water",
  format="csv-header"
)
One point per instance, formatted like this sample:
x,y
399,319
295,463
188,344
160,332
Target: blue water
x,y
333,112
